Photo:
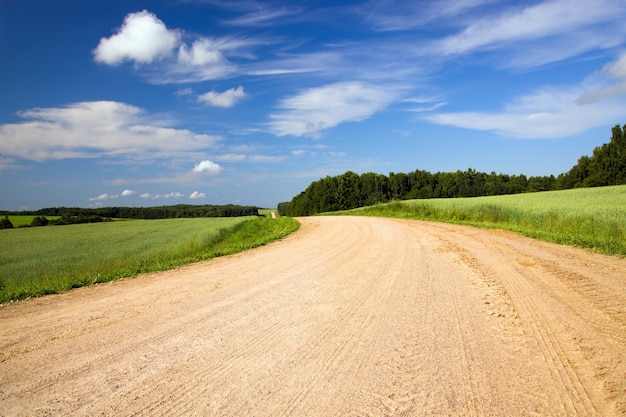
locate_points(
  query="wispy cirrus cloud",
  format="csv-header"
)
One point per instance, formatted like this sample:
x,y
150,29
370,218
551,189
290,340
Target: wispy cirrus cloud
x,y
550,112
398,15
263,15
317,109
98,129
537,21
540,33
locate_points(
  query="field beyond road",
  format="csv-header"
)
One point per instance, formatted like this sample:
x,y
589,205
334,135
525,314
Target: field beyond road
x,y
349,316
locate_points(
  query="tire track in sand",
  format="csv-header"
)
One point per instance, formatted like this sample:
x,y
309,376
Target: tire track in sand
x,y
349,316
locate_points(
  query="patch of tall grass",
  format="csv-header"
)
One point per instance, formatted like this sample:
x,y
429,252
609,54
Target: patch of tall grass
x,y
43,260
593,218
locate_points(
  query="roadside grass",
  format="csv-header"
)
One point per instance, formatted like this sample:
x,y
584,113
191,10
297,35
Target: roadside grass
x,y
268,212
44,260
593,218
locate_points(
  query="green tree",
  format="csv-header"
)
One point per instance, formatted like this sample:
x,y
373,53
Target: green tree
x,y
6,223
607,166
39,221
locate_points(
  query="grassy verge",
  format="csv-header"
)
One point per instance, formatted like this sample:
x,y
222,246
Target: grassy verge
x,y
44,260
593,218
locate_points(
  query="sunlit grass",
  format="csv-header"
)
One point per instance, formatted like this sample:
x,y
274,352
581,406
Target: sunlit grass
x,y
41,260
593,218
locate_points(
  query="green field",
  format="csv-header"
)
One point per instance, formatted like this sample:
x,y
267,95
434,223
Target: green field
x,y
21,221
42,260
593,218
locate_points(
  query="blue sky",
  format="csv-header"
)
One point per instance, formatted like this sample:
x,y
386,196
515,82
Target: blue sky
x,y
142,103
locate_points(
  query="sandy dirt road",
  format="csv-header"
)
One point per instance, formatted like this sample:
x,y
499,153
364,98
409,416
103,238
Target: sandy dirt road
x,y
350,316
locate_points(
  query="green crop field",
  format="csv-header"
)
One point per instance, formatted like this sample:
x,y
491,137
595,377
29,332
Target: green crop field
x,y
42,260
593,218
21,221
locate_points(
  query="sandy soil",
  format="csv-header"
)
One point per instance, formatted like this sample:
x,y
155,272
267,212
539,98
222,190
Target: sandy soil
x,y
347,317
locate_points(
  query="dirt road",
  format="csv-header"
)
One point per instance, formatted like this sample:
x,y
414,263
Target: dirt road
x,y
347,317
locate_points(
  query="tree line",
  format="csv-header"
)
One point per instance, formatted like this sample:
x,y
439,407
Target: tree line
x,y
606,166
75,215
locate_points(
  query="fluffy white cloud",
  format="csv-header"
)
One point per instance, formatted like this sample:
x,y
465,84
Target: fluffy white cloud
x,y
127,193
209,167
202,52
97,129
142,38
317,109
226,99
196,195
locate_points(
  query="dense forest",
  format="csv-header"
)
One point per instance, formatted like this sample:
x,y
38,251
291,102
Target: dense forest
x,y
606,166
74,215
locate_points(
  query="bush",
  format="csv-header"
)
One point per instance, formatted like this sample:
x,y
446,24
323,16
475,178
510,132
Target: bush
x,y
39,221
6,223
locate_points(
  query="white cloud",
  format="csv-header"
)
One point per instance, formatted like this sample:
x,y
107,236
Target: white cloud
x,y
610,82
266,159
531,35
97,129
103,197
202,52
143,38
617,69
226,99
149,196
183,92
127,193
317,109
389,15
231,157
209,167
263,17
544,114
598,100
540,20
196,195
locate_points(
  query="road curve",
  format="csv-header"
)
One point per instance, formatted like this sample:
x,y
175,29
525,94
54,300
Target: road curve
x,y
349,316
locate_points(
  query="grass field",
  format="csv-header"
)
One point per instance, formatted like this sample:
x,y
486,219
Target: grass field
x,y
42,260
21,221
593,218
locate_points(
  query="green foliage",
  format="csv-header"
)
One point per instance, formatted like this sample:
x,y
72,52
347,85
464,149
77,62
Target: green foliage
x,y
607,166
80,219
43,260
593,218
161,212
39,221
351,190
6,223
